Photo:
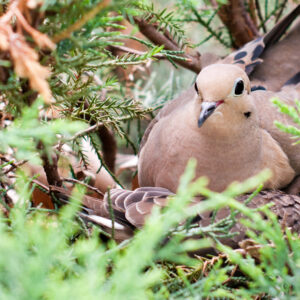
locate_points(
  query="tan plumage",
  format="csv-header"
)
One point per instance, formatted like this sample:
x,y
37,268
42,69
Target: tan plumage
x,y
229,145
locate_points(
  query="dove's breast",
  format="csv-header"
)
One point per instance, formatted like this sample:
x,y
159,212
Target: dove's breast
x,y
223,159
268,114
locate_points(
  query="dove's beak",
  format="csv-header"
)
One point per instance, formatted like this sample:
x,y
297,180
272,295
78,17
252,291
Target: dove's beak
x,y
207,108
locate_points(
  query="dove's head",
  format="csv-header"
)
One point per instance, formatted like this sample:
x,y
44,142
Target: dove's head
x,y
223,91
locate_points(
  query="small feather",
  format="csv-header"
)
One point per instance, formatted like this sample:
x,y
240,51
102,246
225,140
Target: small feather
x,y
132,198
144,207
134,217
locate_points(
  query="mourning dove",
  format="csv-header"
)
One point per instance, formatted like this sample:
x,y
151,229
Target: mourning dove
x,y
227,114
228,128
220,128
219,81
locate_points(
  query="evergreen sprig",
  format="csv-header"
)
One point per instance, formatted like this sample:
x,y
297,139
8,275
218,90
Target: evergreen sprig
x,y
165,21
294,113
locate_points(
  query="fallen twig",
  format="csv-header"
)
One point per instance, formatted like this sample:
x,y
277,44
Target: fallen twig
x,y
94,189
15,165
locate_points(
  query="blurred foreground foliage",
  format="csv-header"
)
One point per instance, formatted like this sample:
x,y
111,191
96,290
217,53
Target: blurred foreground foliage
x,y
51,256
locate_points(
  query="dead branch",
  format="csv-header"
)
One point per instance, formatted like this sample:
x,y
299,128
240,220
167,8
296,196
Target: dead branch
x,y
15,165
92,188
239,23
25,59
84,132
252,12
192,62
109,147
51,170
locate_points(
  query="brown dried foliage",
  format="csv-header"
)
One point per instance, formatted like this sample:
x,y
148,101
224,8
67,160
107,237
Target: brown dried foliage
x,y
24,57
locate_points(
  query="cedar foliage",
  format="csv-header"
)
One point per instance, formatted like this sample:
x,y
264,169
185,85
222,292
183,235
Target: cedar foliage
x,y
58,85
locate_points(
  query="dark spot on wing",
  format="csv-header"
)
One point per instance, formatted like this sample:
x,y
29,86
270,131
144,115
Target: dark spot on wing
x,y
294,80
239,62
250,67
240,55
258,88
257,52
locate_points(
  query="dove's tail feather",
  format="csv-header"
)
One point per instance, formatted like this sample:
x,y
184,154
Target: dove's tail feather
x,y
280,28
134,206
131,209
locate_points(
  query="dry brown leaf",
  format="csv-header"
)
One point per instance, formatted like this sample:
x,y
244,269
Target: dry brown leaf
x,y
25,59
41,39
252,248
27,66
34,3
4,44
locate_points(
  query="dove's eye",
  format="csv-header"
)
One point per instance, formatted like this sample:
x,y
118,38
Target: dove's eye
x,y
239,87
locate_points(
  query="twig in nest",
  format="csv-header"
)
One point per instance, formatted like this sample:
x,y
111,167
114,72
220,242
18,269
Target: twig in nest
x,y
51,170
84,132
109,147
15,165
94,189
44,187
